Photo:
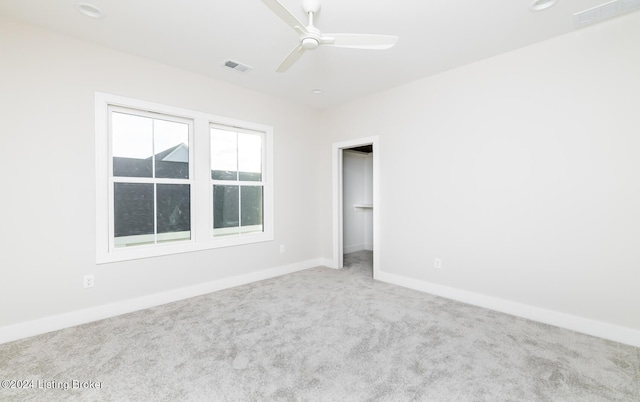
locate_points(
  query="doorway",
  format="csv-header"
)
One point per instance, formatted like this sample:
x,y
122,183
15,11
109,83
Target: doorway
x,y
356,163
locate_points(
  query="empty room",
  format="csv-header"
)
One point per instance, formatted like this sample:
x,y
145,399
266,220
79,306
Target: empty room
x,y
320,200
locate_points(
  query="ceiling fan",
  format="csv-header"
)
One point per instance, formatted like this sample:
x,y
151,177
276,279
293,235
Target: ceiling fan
x,y
311,37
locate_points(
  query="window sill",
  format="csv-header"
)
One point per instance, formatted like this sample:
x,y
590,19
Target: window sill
x,y
158,250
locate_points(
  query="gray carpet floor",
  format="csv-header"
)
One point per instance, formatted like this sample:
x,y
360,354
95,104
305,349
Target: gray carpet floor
x,y
320,335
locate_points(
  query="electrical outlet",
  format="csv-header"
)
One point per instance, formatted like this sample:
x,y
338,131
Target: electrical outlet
x,y
437,263
282,248
87,281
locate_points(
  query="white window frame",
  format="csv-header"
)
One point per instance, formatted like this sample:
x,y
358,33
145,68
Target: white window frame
x,y
238,182
200,179
149,180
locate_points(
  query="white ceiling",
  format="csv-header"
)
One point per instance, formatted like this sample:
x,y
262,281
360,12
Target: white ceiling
x,y
199,35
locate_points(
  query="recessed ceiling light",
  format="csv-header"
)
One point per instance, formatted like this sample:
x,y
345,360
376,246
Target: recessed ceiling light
x,y
539,5
318,91
89,10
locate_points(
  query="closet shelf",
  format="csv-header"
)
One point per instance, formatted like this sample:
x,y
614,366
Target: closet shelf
x,y
362,206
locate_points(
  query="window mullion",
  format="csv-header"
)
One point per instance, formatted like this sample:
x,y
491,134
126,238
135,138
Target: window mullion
x,y
155,213
201,181
239,186
239,208
155,183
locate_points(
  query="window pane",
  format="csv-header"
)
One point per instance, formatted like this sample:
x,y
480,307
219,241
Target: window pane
x,y
174,212
224,155
171,144
250,156
251,208
133,214
132,142
226,218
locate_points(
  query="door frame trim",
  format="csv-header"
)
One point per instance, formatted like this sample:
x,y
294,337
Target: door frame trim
x,y
338,229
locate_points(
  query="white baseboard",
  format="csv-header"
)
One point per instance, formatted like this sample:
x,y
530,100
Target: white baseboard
x,y
599,329
329,263
53,323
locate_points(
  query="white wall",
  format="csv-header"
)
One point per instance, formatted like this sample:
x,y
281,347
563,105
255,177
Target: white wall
x,y
357,171
48,201
522,172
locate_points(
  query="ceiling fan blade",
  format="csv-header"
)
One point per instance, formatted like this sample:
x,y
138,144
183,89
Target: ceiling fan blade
x,y
360,41
291,59
285,15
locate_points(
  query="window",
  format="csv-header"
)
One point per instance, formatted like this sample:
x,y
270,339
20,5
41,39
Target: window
x,y
159,193
236,178
151,186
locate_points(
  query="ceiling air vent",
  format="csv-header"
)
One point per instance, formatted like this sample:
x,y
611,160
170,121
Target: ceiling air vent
x,y
604,11
234,65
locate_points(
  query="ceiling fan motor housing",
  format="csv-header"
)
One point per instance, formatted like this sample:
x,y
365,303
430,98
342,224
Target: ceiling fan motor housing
x,y
309,43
